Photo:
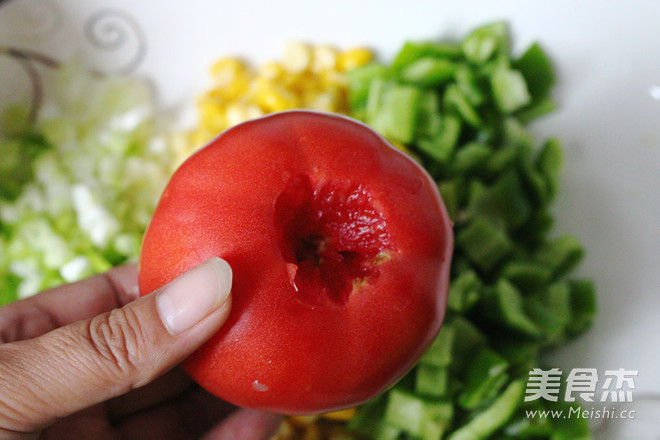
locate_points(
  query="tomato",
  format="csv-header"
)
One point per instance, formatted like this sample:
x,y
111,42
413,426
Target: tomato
x,y
340,247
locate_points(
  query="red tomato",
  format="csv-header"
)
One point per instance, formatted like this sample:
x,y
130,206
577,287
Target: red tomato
x,y
340,247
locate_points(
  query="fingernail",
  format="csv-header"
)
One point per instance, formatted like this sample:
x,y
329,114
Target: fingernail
x,y
194,295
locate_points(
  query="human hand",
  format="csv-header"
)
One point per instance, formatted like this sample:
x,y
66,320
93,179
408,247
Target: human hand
x,y
86,361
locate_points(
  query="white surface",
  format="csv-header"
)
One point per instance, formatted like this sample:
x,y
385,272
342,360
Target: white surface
x,y
608,58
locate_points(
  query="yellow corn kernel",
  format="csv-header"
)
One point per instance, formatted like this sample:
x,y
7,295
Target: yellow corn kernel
x,y
341,415
324,58
271,71
286,431
326,101
211,113
332,78
231,78
303,421
312,432
225,70
274,98
353,58
297,57
241,111
400,146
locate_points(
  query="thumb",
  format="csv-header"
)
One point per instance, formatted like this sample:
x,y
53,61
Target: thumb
x,y
91,361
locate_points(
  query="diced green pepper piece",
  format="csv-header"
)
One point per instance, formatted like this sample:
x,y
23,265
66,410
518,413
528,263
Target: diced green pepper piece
x,y
551,311
536,109
454,99
442,146
468,339
549,164
464,291
439,353
569,428
509,89
484,243
560,255
536,67
359,83
421,418
392,110
505,305
467,82
504,201
452,192
472,157
369,420
486,375
429,120
431,380
494,417
485,41
429,72
583,306
526,275
415,50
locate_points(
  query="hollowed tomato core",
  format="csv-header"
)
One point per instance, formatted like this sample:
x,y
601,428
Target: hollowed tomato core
x,y
332,238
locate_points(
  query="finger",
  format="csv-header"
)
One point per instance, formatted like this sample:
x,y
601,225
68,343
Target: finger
x,y
63,305
89,424
188,416
163,389
91,361
246,424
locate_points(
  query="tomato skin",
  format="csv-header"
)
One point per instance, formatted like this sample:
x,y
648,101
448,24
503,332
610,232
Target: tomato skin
x,y
288,348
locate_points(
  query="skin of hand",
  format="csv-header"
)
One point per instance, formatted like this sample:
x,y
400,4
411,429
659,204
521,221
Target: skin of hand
x,y
93,360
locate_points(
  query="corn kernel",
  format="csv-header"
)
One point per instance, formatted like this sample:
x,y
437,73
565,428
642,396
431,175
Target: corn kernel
x,y
226,70
237,112
303,420
276,98
326,102
312,432
353,58
344,414
324,58
271,71
297,57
